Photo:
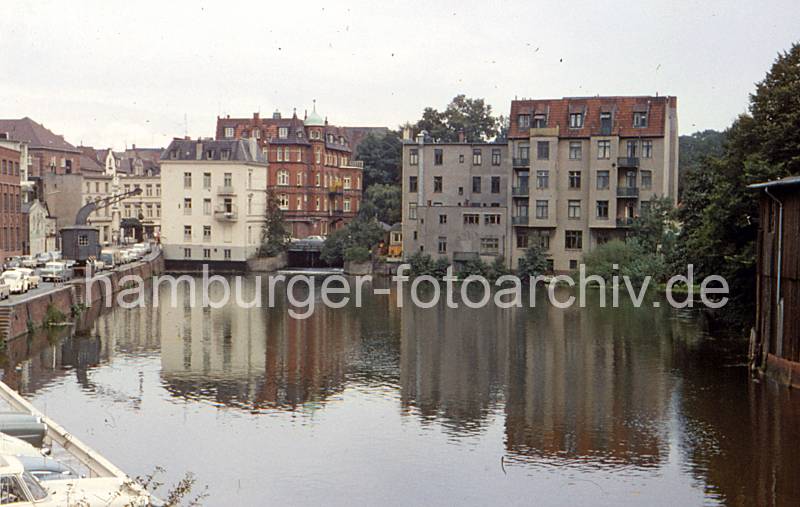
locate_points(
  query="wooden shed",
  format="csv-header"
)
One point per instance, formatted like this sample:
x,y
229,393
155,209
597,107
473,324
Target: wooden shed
x,y
776,342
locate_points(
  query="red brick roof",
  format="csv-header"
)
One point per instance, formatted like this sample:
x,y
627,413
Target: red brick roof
x,y
557,112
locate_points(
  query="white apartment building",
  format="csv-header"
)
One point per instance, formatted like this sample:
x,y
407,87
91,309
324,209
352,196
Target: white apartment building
x,y
213,201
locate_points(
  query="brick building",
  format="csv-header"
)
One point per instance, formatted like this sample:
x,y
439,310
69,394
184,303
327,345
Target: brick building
x,y
11,223
311,171
47,152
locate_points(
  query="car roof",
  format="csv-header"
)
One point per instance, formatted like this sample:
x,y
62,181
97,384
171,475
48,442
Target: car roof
x,y
10,465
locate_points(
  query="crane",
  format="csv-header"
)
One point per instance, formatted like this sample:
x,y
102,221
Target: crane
x,y
88,208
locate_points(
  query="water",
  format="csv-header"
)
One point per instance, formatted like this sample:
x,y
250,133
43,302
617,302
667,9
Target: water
x,y
389,406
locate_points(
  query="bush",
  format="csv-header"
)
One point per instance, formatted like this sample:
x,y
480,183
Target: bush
x,y
421,264
475,267
356,253
439,268
53,316
631,257
533,263
498,268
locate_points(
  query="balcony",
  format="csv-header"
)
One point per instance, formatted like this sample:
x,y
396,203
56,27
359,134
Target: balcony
x,y
226,190
628,192
352,164
624,222
632,162
519,220
521,162
521,191
227,213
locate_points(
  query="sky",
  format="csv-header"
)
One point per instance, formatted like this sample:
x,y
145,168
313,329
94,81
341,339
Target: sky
x,y
107,73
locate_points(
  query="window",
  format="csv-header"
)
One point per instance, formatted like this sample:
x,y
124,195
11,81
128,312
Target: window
x,y
603,150
640,119
187,180
542,179
522,240
490,245
348,182
187,232
542,238
647,180
539,121
316,203
187,206
442,245
575,120
476,184
227,180
283,178
83,240
543,150
158,210
524,153
318,156
158,189
491,219
471,219
283,132
574,179
573,240
575,150
460,158
206,253
206,180
224,154
442,219
495,184
496,156
412,183
229,132
631,148
644,207
148,190
573,264
602,209
542,209
206,206
347,205
412,210
317,179
413,156
226,253
477,157
602,180
647,149
438,156
283,201
523,121
206,233
437,184
574,208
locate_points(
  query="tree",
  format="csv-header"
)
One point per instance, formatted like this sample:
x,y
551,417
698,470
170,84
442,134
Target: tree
x,y
654,227
632,259
384,202
362,232
274,236
382,156
473,117
533,263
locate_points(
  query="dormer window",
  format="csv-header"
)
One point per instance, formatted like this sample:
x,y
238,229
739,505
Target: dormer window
x,y
341,140
229,132
640,119
575,120
524,121
283,132
257,133
209,154
225,154
244,134
299,134
539,121
173,154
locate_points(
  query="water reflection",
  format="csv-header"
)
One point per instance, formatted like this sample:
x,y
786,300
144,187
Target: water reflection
x,y
620,395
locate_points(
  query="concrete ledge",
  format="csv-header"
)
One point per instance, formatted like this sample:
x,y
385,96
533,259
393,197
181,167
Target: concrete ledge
x,y
268,264
358,268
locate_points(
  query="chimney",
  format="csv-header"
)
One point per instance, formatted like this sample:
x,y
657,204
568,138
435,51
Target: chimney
x,y
406,133
199,149
255,116
276,115
133,146
461,137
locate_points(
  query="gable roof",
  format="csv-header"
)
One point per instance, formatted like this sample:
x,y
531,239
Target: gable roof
x,y
35,134
199,149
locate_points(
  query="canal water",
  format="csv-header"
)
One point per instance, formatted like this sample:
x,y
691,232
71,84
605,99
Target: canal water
x,y
383,405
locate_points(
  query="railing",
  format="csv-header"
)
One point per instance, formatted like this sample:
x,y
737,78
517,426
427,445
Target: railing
x,y
226,190
226,213
627,161
624,222
521,162
522,191
359,164
519,220
628,192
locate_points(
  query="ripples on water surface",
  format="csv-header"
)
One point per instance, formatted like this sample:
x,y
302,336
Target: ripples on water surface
x,y
388,406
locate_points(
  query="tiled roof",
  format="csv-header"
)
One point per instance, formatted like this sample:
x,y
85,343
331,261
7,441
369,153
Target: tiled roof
x,y
188,149
91,160
35,134
557,112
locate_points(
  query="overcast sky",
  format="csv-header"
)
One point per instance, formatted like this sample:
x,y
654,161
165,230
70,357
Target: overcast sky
x,y
115,73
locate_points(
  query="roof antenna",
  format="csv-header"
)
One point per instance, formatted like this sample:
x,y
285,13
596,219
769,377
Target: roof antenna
x,y
185,125
314,101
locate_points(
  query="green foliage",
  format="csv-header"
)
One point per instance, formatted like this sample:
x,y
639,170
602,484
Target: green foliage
x,y
472,116
695,149
53,316
718,213
475,267
498,268
382,156
421,264
361,232
356,253
632,259
655,228
383,202
533,263
439,269
274,237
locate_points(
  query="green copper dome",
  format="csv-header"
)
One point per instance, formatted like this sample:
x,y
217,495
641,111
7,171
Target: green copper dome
x,y
313,119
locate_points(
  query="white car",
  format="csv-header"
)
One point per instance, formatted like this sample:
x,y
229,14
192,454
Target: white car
x,y
28,261
33,278
4,290
23,489
17,282
55,272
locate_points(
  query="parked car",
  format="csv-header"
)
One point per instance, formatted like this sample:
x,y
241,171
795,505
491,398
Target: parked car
x,y
43,258
13,262
56,271
145,247
4,290
28,261
16,281
99,265
30,274
111,258
20,487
